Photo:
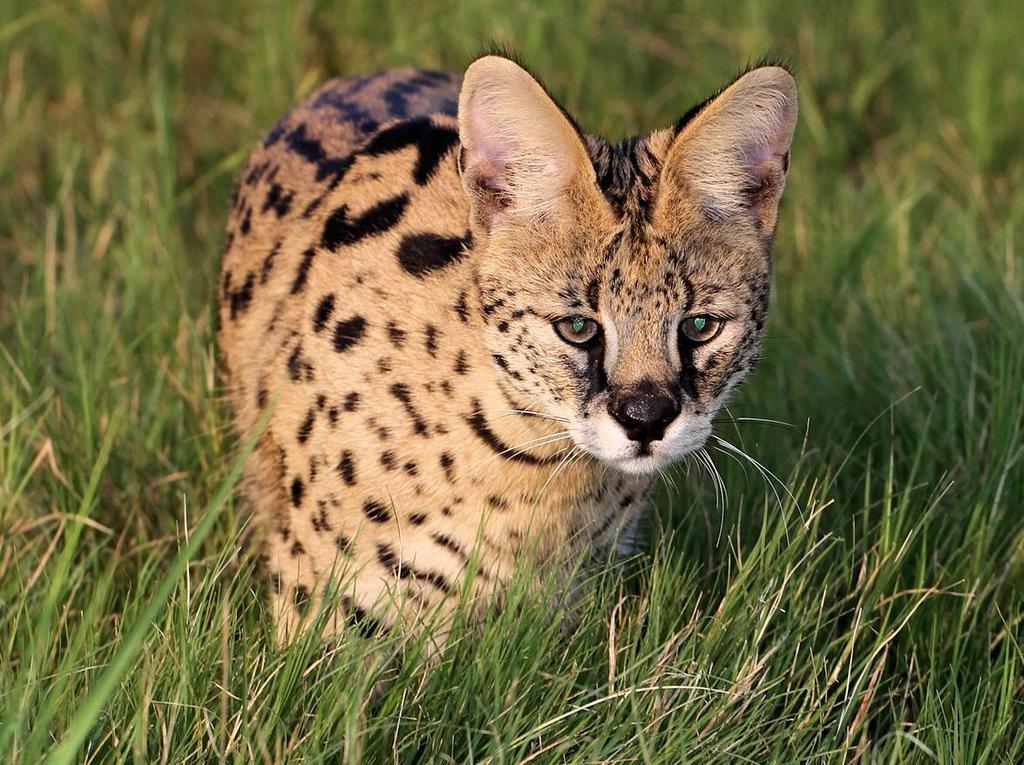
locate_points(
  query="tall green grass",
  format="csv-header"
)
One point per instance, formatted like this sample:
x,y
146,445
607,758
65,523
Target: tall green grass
x,y
867,604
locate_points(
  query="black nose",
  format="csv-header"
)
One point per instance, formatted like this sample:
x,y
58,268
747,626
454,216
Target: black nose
x,y
643,412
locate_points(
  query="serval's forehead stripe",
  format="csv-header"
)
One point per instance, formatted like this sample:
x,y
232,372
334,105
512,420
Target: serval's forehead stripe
x,y
627,174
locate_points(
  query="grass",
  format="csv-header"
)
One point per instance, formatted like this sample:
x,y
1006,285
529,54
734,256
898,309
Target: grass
x,y
867,606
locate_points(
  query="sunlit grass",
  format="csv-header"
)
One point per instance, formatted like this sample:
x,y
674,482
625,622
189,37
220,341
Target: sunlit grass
x,y
857,593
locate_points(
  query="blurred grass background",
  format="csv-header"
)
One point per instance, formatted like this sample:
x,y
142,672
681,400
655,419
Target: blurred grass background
x,y
868,606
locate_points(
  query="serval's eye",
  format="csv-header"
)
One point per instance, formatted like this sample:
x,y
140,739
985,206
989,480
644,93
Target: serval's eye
x,y
701,329
578,330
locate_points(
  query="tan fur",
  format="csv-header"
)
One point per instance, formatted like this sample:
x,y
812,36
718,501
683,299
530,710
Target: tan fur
x,y
399,320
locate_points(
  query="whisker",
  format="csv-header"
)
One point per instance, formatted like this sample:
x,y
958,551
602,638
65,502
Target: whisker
x,y
551,438
558,467
721,493
732,420
738,461
765,421
528,413
721,482
669,479
574,456
770,478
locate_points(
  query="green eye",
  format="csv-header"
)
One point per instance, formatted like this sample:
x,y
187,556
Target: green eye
x,y
700,329
578,330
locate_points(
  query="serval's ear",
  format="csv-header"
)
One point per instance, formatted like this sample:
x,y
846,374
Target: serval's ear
x,y
521,155
732,156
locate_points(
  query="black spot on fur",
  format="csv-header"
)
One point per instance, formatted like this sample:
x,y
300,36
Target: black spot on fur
x,y
347,467
592,294
277,200
297,549
421,254
301,599
402,393
461,363
448,465
302,272
240,298
323,312
344,544
306,428
387,459
489,308
449,544
390,561
310,149
430,333
348,332
462,308
351,401
376,511
478,423
268,262
358,617
433,142
396,334
411,468
435,578
336,167
299,367
298,489
340,231
320,521
417,519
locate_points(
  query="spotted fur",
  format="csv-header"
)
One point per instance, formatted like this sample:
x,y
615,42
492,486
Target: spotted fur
x,y
400,249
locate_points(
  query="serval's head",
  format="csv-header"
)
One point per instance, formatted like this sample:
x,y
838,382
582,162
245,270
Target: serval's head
x,y
624,286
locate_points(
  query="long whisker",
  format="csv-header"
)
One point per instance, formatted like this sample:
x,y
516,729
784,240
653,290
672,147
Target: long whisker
x,y
730,418
738,461
558,467
534,444
721,494
763,421
563,450
770,478
721,481
525,413
669,479
520,412
574,456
